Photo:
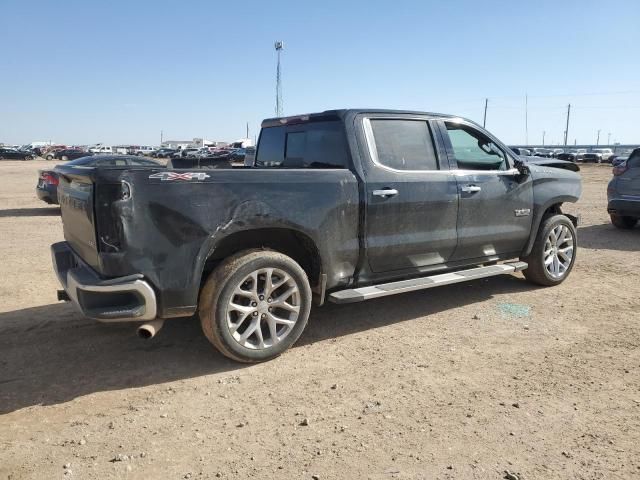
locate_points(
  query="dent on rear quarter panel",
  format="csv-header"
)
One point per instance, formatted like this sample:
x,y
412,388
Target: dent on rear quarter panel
x,y
176,225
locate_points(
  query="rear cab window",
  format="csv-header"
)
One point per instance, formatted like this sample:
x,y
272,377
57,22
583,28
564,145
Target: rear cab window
x,y
304,145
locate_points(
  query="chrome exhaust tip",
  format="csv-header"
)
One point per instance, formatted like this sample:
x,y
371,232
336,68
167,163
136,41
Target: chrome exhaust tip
x,y
148,330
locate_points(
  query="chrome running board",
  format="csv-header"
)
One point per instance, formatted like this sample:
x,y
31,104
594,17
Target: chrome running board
x,y
384,289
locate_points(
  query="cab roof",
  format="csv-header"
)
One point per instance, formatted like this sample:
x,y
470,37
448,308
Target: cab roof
x,y
340,114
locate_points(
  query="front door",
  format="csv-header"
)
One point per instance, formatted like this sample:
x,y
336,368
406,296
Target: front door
x,y
411,196
496,202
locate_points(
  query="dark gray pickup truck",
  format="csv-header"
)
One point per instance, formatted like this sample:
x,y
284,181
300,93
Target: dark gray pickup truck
x,y
343,205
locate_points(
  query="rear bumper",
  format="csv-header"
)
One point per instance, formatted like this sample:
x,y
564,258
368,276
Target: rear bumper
x,y
47,194
121,299
624,207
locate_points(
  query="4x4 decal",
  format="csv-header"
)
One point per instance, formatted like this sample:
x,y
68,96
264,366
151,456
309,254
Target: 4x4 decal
x,y
170,176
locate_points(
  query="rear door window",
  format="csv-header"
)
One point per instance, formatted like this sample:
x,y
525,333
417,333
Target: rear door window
x,y
403,144
309,145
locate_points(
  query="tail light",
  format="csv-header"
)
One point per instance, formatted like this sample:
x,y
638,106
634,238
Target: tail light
x,y
49,178
108,221
620,169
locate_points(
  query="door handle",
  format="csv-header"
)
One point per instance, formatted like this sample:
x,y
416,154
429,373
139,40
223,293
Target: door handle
x,y
470,189
386,192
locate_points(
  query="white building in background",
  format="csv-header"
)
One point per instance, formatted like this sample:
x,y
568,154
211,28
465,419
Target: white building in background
x,y
193,143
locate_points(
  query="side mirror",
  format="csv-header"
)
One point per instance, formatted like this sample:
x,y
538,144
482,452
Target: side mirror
x,y
523,170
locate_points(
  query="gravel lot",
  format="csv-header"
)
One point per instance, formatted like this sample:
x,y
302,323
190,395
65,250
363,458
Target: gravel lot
x,y
465,381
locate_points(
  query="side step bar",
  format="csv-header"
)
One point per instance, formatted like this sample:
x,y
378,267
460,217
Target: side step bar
x,y
384,289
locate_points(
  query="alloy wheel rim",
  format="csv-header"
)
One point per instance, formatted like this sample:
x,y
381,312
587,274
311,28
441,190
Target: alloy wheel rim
x,y
558,251
263,309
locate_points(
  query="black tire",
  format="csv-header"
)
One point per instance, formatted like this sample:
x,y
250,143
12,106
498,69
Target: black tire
x,y
49,157
64,158
219,289
537,272
623,222
1,157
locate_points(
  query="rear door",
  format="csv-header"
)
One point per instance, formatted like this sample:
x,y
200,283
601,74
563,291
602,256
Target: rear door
x,y
411,198
496,203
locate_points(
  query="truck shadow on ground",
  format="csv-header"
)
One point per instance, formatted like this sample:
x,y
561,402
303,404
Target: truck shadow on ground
x,y
51,355
608,237
30,212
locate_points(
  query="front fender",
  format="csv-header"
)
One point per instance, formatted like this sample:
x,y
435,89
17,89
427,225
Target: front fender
x,y
551,188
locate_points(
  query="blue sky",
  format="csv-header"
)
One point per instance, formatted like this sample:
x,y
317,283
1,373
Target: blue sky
x,y
121,71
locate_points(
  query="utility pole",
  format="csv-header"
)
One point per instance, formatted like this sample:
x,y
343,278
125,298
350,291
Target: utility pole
x,y
161,137
566,132
598,139
543,133
609,138
484,122
279,46
526,119
247,136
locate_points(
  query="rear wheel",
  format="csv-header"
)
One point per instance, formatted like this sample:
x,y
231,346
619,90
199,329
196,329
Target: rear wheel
x,y
255,305
49,157
64,158
553,253
624,222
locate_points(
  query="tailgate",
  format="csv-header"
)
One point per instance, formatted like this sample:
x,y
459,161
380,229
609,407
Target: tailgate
x,y
75,194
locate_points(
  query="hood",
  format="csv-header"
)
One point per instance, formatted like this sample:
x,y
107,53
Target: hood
x,y
551,162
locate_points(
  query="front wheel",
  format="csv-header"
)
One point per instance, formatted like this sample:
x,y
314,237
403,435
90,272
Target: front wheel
x,y
49,157
553,253
255,305
64,158
624,222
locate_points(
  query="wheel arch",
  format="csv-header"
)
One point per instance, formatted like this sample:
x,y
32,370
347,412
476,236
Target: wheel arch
x,y
551,207
293,243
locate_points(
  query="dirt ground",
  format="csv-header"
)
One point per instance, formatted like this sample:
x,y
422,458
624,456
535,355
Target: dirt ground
x,y
464,381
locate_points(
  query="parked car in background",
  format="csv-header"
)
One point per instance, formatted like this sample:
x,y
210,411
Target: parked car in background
x,y
623,192
143,150
101,149
556,151
618,159
164,152
238,155
13,154
591,157
579,153
568,156
48,180
542,152
523,152
71,154
605,153
185,152
49,151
